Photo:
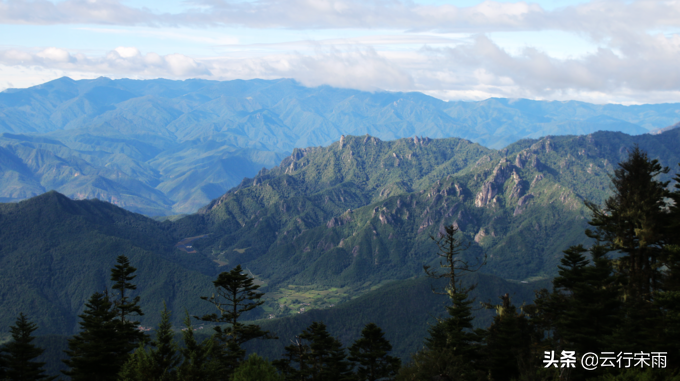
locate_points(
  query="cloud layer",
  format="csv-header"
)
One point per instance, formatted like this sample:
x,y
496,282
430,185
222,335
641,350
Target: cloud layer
x,y
600,18
636,46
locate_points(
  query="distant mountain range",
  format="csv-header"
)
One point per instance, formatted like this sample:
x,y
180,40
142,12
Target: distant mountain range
x,y
163,147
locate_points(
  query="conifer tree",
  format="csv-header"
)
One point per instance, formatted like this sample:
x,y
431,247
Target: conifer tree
x,y
370,352
295,353
319,357
19,359
667,298
255,368
95,353
453,348
127,307
164,353
592,308
235,294
508,342
583,313
198,360
108,334
454,333
632,222
158,363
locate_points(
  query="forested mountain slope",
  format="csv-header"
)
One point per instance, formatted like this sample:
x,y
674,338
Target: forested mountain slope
x,y
326,226
362,210
162,147
56,252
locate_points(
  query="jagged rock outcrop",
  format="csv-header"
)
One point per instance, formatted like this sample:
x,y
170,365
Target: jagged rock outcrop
x,y
522,204
491,188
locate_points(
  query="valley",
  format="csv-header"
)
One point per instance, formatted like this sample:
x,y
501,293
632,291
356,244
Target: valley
x,y
327,225
337,232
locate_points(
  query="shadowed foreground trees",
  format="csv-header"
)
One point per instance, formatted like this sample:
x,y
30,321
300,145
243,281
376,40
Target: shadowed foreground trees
x,y
17,358
370,353
235,294
453,348
315,356
107,334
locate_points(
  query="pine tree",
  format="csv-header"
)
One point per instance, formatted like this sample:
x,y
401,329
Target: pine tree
x,y
127,307
592,308
453,348
198,360
454,333
632,222
370,352
583,313
164,352
319,357
235,294
295,353
508,342
20,353
158,363
667,298
255,368
95,353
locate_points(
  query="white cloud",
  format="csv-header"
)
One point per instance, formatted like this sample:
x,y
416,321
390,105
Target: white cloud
x,y
478,68
122,61
629,58
600,18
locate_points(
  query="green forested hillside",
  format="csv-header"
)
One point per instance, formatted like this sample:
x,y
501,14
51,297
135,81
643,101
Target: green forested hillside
x,y
336,231
403,309
361,211
56,252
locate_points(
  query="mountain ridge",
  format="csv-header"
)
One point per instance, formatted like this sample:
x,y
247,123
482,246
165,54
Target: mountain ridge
x,y
168,147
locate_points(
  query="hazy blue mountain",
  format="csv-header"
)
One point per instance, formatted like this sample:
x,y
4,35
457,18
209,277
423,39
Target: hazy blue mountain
x,y
161,147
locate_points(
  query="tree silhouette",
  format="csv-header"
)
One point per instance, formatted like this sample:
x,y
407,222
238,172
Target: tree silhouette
x,y
20,354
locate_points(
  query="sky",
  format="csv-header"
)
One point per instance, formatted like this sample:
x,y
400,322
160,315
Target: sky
x,y
601,51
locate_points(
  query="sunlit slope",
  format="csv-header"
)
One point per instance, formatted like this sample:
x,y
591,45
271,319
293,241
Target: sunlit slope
x,y
363,210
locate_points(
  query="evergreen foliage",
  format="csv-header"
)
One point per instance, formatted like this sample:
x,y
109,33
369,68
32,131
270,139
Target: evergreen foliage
x,y
158,363
98,352
315,356
632,222
454,333
370,353
198,359
255,368
121,275
452,349
235,294
508,343
125,306
18,363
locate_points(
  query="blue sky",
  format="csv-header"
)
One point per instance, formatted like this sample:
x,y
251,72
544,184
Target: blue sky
x,y
597,51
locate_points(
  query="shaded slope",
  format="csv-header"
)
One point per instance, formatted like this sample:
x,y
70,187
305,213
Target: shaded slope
x,y
55,252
